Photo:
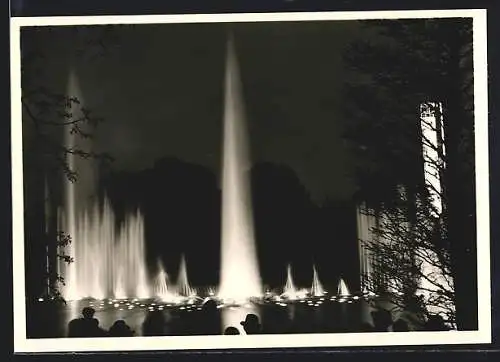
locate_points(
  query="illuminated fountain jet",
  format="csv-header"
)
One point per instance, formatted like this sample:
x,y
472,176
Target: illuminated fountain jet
x,y
342,290
108,261
240,277
67,216
183,286
289,291
161,285
317,289
211,291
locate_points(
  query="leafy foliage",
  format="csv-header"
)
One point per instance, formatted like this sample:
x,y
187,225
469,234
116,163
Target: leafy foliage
x,y
405,64
63,240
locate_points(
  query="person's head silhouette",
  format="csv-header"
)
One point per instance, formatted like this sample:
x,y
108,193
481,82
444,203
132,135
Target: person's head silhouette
x,y
120,323
231,331
88,312
121,329
251,324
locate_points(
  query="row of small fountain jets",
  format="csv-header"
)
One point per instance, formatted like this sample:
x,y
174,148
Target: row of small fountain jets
x,y
183,293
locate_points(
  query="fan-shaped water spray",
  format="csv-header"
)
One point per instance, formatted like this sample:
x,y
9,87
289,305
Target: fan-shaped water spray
x,y
316,288
289,290
161,286
342,289
183,286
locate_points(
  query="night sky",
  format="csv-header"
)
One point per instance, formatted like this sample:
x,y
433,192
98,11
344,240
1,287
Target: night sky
x,y
160,90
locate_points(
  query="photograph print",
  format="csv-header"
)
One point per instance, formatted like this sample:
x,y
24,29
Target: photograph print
x,y
290,181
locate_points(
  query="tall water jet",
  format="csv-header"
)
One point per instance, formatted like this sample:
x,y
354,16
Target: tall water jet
x,y
240,277
183,286
316,288
72,198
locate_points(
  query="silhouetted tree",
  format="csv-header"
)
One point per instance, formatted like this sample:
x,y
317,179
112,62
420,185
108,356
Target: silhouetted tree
x,y
407,64
411,260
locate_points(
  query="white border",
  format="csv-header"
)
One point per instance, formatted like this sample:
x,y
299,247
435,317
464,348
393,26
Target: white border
x,y
483,335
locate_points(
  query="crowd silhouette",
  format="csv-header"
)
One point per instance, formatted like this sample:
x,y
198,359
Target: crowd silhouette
x,y
86,326
207,322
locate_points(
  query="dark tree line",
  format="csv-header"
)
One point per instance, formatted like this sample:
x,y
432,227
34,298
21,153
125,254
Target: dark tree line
x,y
408,64
181,203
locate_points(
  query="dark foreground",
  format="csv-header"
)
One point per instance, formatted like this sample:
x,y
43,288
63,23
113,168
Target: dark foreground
x,y
46,320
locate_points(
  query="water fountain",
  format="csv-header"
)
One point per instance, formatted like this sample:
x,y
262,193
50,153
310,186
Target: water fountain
x,y
317,289
161,286
342,289
108,261
289,291
183,286
240,276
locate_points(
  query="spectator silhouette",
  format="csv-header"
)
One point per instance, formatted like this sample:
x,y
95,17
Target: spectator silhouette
x,y
231,331
251,324
86,326
435,323
210,318
120,329
154,324
400,326
74,328
382,320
